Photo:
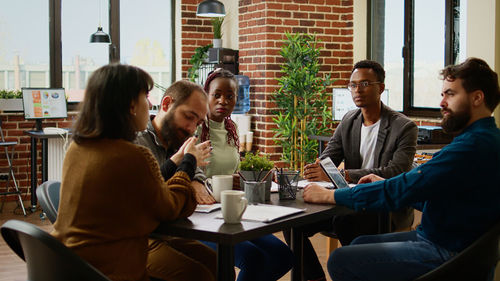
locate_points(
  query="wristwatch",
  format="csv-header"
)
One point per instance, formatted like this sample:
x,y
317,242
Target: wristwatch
x,y
342,172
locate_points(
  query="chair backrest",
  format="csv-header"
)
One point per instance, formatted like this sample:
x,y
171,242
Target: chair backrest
x,y
46,258
475,262
48,196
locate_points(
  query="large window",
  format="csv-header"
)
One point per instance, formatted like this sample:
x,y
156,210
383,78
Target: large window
x,y
414,40
47,45
24,44
148,44
79,57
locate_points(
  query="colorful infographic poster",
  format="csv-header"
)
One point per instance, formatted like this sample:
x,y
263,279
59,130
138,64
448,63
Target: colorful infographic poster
x,y
44,103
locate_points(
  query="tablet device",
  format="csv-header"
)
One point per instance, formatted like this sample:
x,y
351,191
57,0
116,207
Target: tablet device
x,y
333,173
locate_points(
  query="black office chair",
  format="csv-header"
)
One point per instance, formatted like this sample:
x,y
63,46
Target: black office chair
x,y
10,174
48,196
476,262
46,258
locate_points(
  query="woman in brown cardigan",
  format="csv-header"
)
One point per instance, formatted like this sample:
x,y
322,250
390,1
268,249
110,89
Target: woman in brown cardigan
x,y
112,193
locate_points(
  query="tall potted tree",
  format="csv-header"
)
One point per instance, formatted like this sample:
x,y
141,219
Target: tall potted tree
x,y
301,100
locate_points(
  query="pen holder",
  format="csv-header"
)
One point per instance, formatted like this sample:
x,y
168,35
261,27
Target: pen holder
x,y
255,192
287,184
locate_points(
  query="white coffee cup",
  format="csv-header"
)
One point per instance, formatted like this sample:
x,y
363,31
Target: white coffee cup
x,y
249,139
234,205
220,183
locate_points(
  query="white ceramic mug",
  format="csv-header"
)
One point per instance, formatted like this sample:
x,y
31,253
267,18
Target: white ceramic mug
x,y
220,183
234,205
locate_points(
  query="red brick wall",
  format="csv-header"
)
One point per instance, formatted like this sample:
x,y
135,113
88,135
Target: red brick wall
x,y
196,32
262,27
13,127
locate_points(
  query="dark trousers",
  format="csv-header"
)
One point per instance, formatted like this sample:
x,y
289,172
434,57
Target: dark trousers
x,y
346,228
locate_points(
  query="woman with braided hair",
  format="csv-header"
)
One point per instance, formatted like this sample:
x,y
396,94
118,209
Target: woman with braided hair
x,y
267,257
221,87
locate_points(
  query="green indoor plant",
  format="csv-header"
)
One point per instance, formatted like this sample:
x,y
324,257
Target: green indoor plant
x,y
301,100
199,56
11,94
11,100
255,167
217,29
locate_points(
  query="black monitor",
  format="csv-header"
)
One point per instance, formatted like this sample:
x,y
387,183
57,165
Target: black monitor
x,y
44,103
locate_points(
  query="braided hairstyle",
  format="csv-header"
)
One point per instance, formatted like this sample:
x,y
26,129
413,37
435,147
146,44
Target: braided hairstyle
x,y
232,136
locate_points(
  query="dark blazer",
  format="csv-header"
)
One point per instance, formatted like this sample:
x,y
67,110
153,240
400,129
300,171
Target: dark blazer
x,y
394,151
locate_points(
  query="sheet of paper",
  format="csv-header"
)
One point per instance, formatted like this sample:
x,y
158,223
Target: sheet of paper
x,y
266,212
207,208
326,184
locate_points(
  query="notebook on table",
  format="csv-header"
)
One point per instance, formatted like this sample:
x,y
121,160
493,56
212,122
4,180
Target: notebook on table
x,y
266,212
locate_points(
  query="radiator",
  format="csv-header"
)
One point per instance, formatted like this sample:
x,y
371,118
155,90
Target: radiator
x,y
55,158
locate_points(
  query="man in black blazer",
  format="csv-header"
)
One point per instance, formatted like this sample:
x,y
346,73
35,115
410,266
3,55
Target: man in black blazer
x,y
371,139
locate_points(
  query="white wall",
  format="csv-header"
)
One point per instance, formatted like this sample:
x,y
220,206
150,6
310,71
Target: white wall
x,y
481,34
178,41
497,69
360,30
230,26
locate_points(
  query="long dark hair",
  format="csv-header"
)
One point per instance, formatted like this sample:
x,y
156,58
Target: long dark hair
x,y
232,136
105,110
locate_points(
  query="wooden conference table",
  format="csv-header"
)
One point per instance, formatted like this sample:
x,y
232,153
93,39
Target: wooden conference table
x,y
207,227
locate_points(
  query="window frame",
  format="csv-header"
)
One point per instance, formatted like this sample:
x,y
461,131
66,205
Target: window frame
x,y
408,51
55,43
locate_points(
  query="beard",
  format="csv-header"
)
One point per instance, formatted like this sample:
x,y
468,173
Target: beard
x,y
171,134
456,121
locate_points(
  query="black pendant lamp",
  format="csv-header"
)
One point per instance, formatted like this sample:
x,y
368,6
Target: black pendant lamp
x,y
211,8
100,36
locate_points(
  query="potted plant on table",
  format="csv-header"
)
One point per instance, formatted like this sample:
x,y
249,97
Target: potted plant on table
x,y
11,100
254,167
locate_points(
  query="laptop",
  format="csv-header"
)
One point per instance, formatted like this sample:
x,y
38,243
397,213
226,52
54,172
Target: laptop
x,y
333,173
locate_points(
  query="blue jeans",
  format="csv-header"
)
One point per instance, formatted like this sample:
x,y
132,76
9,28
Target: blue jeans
x,y
264,258
391,256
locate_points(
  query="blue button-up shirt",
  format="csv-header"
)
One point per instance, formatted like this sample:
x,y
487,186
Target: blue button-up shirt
x,y
458,190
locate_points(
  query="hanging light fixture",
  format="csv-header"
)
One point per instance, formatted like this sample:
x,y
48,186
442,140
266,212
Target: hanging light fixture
x,y
100,36
211,8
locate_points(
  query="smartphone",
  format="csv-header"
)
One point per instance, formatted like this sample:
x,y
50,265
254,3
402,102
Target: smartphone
x,y
333,173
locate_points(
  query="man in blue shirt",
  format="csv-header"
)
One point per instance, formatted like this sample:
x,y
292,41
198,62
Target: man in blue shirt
x,y
457,191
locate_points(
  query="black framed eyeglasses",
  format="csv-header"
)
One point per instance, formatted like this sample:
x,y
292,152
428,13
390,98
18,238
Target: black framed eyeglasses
x,y
352,86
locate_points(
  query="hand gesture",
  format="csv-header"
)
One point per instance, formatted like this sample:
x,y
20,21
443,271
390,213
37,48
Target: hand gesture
x,y
200,151
201,194
177,157
313,172
315,193
370,178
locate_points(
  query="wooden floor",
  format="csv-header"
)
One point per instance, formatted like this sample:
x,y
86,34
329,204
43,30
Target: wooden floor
x,y
12,268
